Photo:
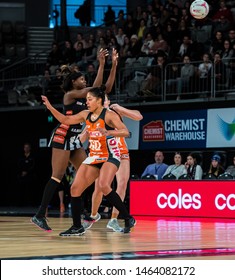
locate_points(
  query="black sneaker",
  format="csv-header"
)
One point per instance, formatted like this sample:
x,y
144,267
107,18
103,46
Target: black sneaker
x,y
129,223
41,223
73,231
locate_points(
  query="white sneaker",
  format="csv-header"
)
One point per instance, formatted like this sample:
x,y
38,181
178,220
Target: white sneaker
x,y
89,221
113,224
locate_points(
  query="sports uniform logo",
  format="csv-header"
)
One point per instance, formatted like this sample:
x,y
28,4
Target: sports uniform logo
x,y
95,145
61,131
227,129
59,139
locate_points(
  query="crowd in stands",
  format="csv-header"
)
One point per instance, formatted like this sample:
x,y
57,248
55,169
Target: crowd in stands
x,y
165,40
156,36
192,169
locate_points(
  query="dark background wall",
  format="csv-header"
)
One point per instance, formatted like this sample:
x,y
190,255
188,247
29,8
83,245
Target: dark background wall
x,y
34,13
32,125
16,129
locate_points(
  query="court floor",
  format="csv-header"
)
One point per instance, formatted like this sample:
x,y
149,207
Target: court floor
x,y
152,238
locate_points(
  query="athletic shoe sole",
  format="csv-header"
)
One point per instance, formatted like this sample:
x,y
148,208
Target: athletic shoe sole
x,y
31,220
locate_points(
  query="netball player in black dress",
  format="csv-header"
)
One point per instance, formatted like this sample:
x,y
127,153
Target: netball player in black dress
x,y
65,142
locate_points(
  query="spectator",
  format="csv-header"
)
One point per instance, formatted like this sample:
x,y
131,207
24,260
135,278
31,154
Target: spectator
x,y
172,77
137,15
120,22
83,13
193,169
231,168
142,30
187,73
174,16
216,167
79,54
124,51
74,67
130,27
109,16
90,74
146,16
113,44
147,44
164,17
69,53
223,11
135,47
172,40
159,45
120,37
155,26
99,33
231,36
204,74
54,58
134,51
227,52
45,82
185,48
217,44
152,85
182,30
56,92
90,53
223,25
26,175
219,71
185,15
108,34
79,39
102,44
158,168
232,66
177,169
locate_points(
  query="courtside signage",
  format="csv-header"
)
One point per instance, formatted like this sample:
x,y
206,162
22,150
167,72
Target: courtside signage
x,y
221,122
183,198
174,130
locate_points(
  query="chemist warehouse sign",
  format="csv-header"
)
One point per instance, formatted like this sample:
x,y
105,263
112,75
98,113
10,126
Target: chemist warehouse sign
x,y
174,130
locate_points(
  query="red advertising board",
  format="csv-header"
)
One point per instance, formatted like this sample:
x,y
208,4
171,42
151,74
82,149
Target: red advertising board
x,y
183,198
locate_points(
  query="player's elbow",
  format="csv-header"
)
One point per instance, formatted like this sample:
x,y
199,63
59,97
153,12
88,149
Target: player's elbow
x,y
127,133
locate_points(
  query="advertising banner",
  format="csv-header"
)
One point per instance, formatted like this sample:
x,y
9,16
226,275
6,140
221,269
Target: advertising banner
x,y
174,130
221,128
183,198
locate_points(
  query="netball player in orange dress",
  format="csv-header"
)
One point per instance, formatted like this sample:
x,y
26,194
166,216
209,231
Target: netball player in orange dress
x,y
103,126
122,175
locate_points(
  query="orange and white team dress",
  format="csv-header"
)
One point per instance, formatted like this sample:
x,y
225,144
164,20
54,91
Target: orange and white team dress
x,y
123,148
122,144
101,148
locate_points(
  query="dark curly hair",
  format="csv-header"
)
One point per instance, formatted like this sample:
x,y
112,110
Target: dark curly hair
x,y
68,76
99,92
